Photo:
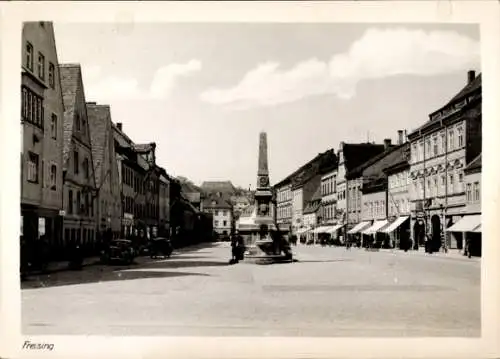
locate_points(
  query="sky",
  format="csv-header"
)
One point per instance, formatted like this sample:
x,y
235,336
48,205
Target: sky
x,y
204,92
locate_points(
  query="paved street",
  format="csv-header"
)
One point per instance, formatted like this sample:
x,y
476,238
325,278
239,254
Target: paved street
x,y
329,292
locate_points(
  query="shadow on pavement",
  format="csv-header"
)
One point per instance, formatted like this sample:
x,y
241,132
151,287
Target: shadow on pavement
x,y
322,261
100,274
182,263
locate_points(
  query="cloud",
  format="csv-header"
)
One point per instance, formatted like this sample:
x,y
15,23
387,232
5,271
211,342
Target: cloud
x,y
165,77
109,87
379,53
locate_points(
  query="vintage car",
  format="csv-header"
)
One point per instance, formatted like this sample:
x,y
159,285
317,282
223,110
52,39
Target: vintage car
x,y
119,251
160,247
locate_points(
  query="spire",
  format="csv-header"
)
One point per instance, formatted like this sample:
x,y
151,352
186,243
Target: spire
x,y
263,169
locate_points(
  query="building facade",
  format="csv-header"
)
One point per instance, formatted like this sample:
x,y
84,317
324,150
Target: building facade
x,y
469,228
329,198
133,169
398,203
284,197
42,117
164,204
221,209
78,168
107,176
440,150
351,156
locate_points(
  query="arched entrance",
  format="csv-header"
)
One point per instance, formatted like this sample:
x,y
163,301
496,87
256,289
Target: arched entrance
x,y
436,232
418,233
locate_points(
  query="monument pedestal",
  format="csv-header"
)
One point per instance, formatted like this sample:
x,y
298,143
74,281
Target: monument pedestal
x,y
259,229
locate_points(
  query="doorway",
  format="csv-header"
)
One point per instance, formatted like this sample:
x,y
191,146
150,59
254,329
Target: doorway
x,y
436,232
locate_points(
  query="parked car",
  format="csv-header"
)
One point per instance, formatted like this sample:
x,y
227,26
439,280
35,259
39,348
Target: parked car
x,y
119,251
160,247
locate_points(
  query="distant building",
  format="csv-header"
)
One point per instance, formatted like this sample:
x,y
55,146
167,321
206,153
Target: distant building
x,y
107,176
221,209
139,185
42,118
284,205
398,201
312,213
164,204
351,156
440,150
79,179
213,187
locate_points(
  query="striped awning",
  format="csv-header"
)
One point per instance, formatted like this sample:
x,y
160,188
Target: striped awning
x,y
321,229
394,225
359,227
303,230
466,224
375,227
335,228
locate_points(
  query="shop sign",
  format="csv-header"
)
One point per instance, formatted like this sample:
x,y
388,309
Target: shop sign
x,y
41,226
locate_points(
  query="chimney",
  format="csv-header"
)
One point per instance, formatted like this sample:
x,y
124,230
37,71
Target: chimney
x,y
471,75
119,125
406,136
400,137
387,143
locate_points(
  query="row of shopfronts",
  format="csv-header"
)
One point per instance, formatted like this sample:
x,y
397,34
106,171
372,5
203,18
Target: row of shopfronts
x,y
397,233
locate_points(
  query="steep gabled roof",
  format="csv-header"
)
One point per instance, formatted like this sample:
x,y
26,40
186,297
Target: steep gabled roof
x,y
99,117
475,164
467,90
357,154
69,76
217,202
217,186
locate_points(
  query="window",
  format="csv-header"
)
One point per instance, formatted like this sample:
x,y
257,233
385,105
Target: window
x,y
451,184
29,56
53,177
435,186
460,134
216,223
32,108
414,156
469,192
476,191
451,140
460,182
443,143
86,167
435,146
75,162
78,202
52,74
70,202
225,223
427,148
53,126
41,66
33,160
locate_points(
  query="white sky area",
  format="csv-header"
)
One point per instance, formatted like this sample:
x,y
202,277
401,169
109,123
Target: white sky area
x,y
203,92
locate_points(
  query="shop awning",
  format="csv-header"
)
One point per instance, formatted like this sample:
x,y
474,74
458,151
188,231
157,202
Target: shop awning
x,y
334,228
375,227
394,225
322,229
466,224
359,227
303,230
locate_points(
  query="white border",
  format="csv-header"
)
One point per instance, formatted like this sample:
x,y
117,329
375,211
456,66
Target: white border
x,y
486,13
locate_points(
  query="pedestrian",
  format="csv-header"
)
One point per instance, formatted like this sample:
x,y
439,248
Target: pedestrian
x,y
234,250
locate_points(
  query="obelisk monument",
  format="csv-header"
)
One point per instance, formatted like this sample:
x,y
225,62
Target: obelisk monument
x,y
263,196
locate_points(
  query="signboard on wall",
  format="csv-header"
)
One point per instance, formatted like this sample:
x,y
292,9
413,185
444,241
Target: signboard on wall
x,y
41,226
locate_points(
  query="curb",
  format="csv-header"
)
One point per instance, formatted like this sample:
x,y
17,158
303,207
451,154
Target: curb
x,y
459,257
